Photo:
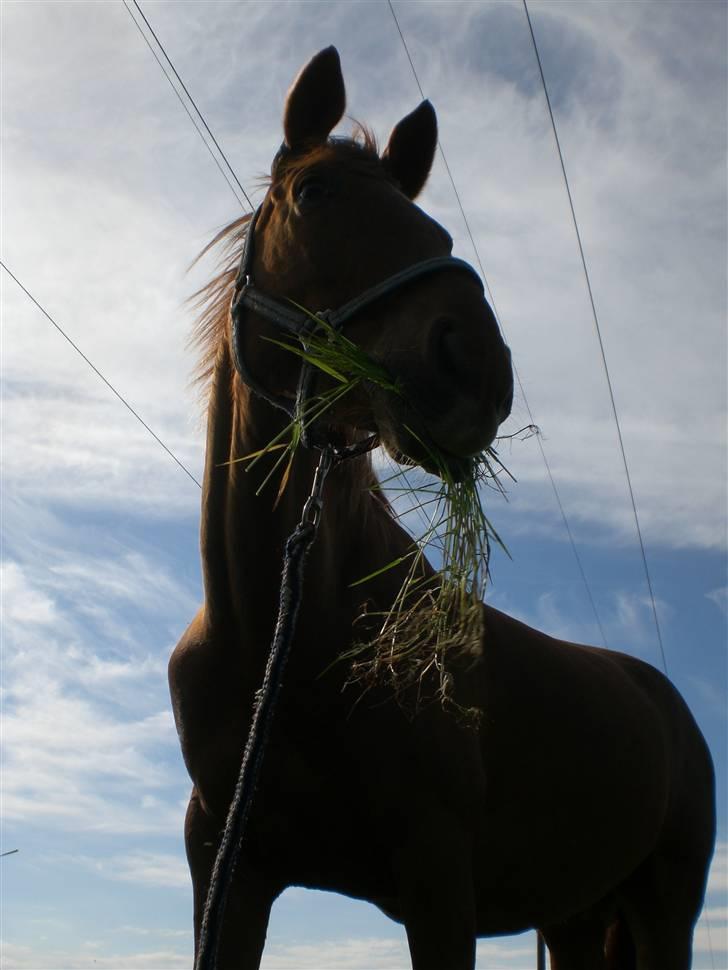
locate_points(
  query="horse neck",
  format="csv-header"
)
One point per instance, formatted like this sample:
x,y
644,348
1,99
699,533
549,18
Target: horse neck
x,y
243,534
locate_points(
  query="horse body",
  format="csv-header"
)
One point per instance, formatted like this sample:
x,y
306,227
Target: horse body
x,y
581,803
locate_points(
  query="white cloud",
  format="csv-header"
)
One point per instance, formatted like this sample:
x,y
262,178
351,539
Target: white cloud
x,y
711,942
374,954
88,736
19,957
632,139
626,618
711,933
157,869
715,914
21,603
720,598
350,954
718,878
648,279
380,954
149,931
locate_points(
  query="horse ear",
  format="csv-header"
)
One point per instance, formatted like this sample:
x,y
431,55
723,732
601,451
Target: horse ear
x,y
411,149
315,102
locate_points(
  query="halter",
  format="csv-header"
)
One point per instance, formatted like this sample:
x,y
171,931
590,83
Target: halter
x,y
300,324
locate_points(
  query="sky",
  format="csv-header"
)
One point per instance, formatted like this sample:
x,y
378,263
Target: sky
x,y
108,193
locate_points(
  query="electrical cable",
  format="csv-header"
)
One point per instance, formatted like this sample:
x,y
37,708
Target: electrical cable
x,y
99,374
192,101
601,346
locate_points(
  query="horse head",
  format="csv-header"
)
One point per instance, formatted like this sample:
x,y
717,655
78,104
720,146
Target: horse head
x,y
338,221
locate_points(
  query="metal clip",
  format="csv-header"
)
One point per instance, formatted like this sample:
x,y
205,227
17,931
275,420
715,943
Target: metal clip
x,y
314,503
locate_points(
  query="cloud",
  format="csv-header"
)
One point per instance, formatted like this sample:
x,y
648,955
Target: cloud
x,y
350,954
626,618
20,957
718,878
148,931
21,603
88,736
720,598
711,934
157,869
712,693
378,954
625,107
375,954
648,280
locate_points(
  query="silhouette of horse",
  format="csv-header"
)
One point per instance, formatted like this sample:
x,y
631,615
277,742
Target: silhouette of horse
x,y
583,802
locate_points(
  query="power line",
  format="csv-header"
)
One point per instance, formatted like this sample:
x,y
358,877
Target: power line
x,y
600,341
192,101
559,503
184,105
99,374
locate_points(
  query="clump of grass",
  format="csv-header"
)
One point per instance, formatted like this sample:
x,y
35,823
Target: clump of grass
x,y
331,352
435,617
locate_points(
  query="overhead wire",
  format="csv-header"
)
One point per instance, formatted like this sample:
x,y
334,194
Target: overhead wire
x,y
192,102
559,503
600,341
610,388
98,373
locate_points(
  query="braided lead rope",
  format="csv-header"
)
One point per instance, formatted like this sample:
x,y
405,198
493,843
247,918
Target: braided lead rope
x,y
297,548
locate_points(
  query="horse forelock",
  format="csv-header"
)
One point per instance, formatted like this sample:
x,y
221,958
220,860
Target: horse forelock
x,y
358,149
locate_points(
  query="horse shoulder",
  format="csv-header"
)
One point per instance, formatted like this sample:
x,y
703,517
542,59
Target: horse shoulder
x,y
206,690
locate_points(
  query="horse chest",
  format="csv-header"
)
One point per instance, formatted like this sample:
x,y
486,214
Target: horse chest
x,y
352,789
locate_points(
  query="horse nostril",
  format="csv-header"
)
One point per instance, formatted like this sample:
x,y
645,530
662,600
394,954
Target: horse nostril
x,y
446,348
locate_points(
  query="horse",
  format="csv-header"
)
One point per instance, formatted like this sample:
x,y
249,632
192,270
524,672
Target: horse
x,y
582,801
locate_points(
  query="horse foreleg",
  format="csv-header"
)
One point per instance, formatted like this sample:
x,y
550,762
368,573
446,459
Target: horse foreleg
x,y
434,871
249,899
577,945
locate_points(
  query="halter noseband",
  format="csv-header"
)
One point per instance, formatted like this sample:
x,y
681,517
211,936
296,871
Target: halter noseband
x,y
299,323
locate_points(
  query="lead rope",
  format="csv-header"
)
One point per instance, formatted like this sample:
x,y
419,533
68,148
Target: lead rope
x,y
298,545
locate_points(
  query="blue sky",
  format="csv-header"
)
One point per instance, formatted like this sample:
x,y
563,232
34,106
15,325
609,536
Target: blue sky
x,y
108,194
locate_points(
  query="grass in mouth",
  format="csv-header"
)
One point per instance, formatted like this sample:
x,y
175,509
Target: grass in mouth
x,y
434,617
438,617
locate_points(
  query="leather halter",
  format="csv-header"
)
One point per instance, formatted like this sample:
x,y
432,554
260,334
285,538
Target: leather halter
x,y
299,324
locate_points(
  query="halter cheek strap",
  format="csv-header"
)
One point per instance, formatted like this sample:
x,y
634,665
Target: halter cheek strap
x,y
299,324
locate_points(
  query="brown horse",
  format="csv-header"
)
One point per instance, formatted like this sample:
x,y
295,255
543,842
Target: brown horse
x,y
582,803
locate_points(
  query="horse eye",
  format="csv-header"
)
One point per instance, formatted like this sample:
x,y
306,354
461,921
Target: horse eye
x,y
311,190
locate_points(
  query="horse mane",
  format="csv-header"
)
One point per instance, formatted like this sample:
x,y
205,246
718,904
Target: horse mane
x,y
212,301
